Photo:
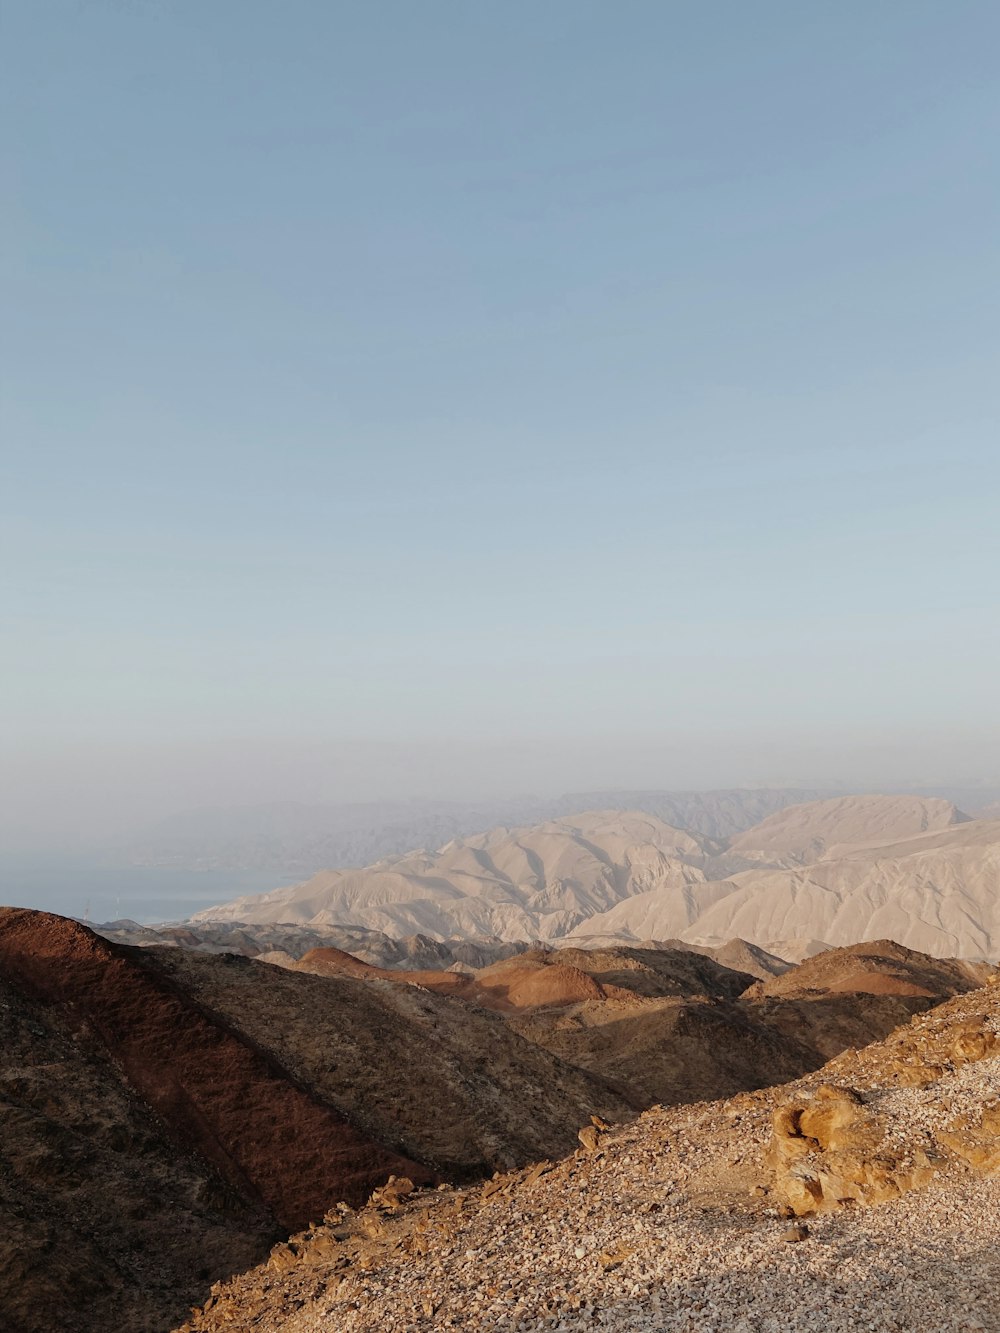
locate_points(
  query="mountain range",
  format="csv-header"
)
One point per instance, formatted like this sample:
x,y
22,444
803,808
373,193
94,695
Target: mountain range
x,y
294,839
829,872
169,1116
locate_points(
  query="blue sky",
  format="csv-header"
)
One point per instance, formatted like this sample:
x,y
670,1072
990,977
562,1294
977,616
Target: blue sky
x,y
428,398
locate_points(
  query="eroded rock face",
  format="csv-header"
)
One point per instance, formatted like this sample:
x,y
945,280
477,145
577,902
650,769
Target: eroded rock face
x,y
833,1146
829,1149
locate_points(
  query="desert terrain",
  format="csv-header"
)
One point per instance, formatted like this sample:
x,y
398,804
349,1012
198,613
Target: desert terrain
x,y
832,872
170,1114
347,1061
863,1196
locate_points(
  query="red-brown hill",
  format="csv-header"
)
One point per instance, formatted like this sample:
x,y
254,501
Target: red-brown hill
x,y
876,967
326,962
221,1096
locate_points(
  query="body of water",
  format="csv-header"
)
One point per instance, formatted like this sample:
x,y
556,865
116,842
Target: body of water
x,y
90,890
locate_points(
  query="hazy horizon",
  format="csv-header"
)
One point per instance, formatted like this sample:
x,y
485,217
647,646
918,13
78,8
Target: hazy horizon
x,y
458,401
92,835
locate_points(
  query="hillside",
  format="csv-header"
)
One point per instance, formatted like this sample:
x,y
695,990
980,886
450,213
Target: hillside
x,y
913,869
447,1084
878,967
802,834
686,1218
936,892
146,1146
520,884
166,1115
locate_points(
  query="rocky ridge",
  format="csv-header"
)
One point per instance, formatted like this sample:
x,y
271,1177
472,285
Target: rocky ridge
x,y
297,840
680,1220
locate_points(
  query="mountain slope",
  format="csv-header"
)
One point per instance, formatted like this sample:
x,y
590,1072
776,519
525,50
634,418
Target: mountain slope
x,y
165,1115
912,869
803,834
679,1221
446,1084
146,1148
534,883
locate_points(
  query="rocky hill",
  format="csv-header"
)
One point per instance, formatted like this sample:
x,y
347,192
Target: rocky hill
x,y
877,967
167,1113
834,871
862,1196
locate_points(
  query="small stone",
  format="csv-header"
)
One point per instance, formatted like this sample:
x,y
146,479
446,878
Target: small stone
x,y
796,1233
590,1137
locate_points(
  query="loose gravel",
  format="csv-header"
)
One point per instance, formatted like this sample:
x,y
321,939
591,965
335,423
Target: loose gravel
x,y
669,1226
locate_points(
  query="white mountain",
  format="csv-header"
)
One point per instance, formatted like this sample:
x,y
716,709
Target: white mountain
x,y
820,830
516,884
838,871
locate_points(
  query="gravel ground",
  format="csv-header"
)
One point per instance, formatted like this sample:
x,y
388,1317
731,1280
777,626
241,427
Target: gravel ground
x,y
929,1261
667,1226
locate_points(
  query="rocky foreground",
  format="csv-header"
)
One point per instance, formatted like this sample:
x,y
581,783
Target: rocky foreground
x,y
862,1196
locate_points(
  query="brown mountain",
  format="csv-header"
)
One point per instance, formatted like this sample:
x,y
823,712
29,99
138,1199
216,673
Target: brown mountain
x,y
167,1113
877,967
685,1218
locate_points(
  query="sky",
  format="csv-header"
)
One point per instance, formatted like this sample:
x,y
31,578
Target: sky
x,y
455,399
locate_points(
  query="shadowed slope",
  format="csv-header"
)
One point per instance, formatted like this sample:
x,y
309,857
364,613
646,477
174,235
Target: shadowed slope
x,y
220,1095
444,1082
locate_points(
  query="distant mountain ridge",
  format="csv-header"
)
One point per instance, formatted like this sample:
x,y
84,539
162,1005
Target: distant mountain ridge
x,y
297,839
842,870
